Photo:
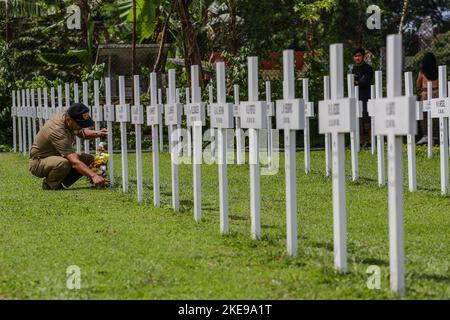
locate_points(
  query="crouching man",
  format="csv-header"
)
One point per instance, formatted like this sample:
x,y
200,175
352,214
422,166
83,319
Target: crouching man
x,y
52,156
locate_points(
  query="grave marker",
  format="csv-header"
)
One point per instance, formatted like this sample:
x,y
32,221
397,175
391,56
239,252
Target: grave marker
x,y
338,116
67,96
351,91
137,118
45,110
76,99
309,113
440,108
161,133
327,96
123,116
195,119
20,122
97,114
33,112
395,116
253,117
28,116
270,113
211,128
240,156
109,117
222,119
14,120
172,112
411,139
290,116
86,103
154,119
371,105
39,109
59,108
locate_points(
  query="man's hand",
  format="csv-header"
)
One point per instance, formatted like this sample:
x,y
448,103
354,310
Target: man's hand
x,y
98,180
103,133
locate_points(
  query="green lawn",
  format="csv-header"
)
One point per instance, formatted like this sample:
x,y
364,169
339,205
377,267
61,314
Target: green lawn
x,y
130,251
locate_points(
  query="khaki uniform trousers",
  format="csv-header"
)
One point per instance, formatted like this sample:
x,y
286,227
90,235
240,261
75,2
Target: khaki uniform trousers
x,y
56,168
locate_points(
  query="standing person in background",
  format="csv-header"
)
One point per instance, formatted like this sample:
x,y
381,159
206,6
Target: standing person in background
x,y
363,79
428,72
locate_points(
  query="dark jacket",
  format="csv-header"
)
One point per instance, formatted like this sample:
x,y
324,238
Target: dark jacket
x,y
363,79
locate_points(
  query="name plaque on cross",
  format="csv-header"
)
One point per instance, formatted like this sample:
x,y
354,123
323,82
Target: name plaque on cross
x,y
395,116
123,113
108,113
154,114
97,113
291,114
222,115
137,115
253,114
270,109
337,116
440,108
173,114
195,112
309,109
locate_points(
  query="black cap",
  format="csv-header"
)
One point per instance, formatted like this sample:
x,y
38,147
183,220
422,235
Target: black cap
x,y
80,114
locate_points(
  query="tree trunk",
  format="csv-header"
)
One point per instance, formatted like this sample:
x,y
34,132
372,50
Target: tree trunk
x,y
192,54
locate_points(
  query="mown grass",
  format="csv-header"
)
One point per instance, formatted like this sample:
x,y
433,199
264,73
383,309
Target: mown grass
x,y
128,250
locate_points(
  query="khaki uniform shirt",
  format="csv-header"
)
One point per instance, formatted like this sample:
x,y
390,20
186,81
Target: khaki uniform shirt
x,y
53,139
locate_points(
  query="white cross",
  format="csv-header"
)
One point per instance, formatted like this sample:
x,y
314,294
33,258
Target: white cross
x,y
411,140
240,157
28,115
172,115
154,119
33,113
338,116
108,115
351,89
137,118
76,99
270,113
86,103
290,116
395,116
309,113
440,108
222,119
253,117
14,120
123,116
97,114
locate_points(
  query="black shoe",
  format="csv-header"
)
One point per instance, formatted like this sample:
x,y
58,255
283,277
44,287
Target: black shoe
x,y
45,186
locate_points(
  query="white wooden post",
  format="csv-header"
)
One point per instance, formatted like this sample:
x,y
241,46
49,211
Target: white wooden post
x,y
373,141
290,116
137,118
395,116
172,112
353,134
154,119
240,155
40,108
211,129
270,114
189,129
86,103
440,108
253,117
411,139
33,113
24,123
359,115
19,120
338,116
28,115
76,99
161,133
109,116
380,138
46,109
328,153
222,119
430,121
309,113
195,120
123,116
14,118
97,114
67,93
